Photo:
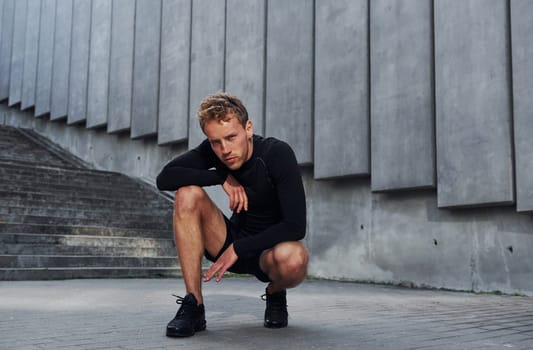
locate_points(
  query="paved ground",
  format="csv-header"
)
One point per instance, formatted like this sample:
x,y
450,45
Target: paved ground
x,y
132,314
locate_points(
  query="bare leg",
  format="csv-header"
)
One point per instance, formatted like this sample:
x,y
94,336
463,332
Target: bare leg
x,y
198,225
285,264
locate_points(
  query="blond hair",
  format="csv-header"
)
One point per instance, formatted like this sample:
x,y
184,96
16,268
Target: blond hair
x,y
218,106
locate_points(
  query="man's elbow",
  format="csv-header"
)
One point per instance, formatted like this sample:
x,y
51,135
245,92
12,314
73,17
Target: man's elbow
x,y
301,233
298,230
161,183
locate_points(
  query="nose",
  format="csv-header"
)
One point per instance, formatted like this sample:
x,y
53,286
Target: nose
x,y
224,148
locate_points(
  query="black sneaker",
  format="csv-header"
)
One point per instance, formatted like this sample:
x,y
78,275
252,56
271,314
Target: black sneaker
x,y
276,309
189,319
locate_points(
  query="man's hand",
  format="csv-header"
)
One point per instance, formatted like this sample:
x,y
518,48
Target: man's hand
x,y
223,263
238,200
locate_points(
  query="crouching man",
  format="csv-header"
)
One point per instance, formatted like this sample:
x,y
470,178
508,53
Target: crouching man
x,y
263,182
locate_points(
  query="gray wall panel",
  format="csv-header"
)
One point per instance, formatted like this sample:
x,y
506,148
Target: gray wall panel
x,y
245,56
341,89
522,44
45,61
79,61
31,53
174,85
472,78
17,54
1,21
121,65
289,79
146,68
5,47
402,104
207,58
61,66
97,94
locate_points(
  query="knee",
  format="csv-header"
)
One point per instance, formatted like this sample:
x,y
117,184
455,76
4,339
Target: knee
x,y
188,199
291,258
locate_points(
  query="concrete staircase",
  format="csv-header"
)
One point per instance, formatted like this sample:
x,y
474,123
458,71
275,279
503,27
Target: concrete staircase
x,y
59,219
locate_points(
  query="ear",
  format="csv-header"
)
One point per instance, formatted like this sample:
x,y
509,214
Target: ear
x,y
249,129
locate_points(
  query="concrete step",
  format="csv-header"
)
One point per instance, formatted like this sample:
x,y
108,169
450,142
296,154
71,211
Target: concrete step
x,y
13,198
23,274
113,222
84,261
21,168
43,244
90,212
15,173
60,249
95,230
52,175
26,168
29,157
29,200
68,190
8,162
51,180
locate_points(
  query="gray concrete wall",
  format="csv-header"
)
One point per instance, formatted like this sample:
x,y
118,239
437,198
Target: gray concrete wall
x,y
404,238
79,61
98,89
207,58
289,76
5,46
245,57
341,89
31,54
61,64
17,52
44,91
522,45
473,103
174,82
411,117
402,102
3,36
121,65
146,68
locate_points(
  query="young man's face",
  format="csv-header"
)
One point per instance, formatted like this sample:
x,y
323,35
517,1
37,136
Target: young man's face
x,y
231,142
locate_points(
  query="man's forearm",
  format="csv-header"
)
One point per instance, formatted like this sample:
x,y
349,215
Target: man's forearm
x,y
282,232
170,179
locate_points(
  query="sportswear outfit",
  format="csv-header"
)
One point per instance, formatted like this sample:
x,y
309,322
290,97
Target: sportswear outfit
x,y
273,184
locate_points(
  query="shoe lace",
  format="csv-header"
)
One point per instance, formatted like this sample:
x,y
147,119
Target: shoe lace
x,y
184,306
274,303
179,299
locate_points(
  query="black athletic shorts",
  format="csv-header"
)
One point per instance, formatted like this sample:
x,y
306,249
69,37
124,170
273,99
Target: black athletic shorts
x,y
242,266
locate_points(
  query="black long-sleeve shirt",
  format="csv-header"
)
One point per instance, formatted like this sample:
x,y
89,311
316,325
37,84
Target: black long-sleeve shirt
x,y
271,179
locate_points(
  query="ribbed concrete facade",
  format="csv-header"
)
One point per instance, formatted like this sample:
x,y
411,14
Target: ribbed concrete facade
x,y
411,118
